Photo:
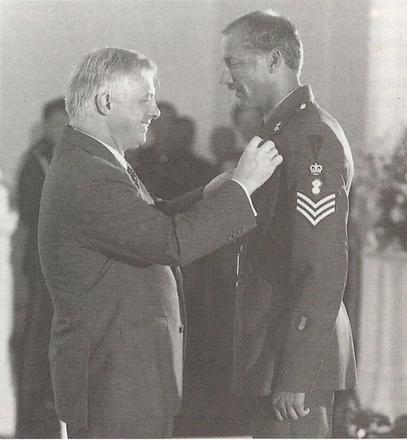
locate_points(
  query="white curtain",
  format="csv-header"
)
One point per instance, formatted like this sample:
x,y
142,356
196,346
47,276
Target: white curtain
x,y
382,362
387,73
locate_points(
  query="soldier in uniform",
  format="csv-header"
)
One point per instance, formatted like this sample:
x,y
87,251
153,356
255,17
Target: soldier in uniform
x,y
293,345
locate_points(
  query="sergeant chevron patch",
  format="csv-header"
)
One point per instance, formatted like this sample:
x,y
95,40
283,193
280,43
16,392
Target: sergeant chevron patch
x,y
315,212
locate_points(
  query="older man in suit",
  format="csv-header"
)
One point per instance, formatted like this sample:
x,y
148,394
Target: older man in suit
x,y
109,251
293,345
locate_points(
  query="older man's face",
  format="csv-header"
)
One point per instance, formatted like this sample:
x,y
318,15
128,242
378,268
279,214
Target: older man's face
x,y
133,108
245,73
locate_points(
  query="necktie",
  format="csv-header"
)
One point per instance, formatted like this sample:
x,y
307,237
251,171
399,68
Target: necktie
x,y
133,176
142,192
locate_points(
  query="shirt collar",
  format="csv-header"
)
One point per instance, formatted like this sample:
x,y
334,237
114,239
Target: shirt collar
x,y
116,154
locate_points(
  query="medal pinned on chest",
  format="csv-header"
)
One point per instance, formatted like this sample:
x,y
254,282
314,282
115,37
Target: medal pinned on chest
x,y
315,168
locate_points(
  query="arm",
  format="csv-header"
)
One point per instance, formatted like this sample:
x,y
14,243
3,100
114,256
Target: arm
x,y
113,220
181,203
318,269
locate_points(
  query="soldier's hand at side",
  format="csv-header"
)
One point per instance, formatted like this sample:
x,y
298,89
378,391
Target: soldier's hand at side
x,y
257,164
217,182
288,406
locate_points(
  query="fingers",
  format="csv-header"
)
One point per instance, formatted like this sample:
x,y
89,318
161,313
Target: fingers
x,y
276,160
280,411
267,147
300,410
269,151
254,143
277,415
291,413
289,406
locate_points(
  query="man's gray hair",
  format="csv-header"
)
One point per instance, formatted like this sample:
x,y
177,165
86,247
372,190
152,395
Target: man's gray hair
x,y
267,31
101,70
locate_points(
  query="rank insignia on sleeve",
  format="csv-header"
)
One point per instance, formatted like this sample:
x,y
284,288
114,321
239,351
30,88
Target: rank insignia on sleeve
x,y
315,212
316,186
315,169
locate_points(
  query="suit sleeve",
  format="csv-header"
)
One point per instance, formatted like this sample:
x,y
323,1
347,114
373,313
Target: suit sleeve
x,y
113,220
181,203
318,204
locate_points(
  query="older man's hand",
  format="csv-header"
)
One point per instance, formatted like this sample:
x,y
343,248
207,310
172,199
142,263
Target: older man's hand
x,y
257,164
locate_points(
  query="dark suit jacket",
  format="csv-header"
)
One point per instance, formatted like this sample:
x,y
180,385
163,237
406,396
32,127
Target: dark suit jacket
x,y
292,330
116,341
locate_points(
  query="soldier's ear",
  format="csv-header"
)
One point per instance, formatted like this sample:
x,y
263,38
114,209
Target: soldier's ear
x,y
274,60
102,102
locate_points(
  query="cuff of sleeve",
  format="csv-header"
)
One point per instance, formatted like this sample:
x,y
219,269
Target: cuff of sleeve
x,y
248,196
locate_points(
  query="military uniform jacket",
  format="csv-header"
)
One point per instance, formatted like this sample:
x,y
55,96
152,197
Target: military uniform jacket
x,y
292,330
108,256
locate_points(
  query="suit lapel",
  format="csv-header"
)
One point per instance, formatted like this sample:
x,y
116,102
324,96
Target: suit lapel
x,y
91,145
97,149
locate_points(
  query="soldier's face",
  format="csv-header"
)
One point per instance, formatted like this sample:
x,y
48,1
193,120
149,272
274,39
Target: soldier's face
x,y
245,73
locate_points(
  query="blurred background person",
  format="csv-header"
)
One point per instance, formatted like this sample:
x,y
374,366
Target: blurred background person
x,y
36,417
224,147
246,121
166,163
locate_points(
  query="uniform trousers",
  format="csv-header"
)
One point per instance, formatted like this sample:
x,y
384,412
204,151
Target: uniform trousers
x,y
317,424
151,427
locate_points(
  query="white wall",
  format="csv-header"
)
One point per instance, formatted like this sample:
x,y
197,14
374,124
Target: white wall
x,y
42,39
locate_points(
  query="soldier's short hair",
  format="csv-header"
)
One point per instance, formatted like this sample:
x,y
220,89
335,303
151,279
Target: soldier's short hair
x,y
101,69
265,31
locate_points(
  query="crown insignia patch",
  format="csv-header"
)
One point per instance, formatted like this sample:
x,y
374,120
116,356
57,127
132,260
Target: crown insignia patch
x,y
315,212
315,169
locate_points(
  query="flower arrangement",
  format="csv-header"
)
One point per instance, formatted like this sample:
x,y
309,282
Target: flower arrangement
x,y
379,207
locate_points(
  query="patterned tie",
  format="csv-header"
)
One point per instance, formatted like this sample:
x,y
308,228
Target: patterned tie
x,y
133,176
142,191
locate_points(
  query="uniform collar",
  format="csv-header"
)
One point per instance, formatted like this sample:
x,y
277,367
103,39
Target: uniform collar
x,y
298,99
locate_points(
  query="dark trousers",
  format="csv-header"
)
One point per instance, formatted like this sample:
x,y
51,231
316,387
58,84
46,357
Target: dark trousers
x,y
151,427
318,424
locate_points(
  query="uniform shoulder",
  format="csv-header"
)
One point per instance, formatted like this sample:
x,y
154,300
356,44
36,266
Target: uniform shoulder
x,y
313,122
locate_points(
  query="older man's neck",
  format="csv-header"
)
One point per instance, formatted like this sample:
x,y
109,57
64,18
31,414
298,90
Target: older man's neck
x,y
98,131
